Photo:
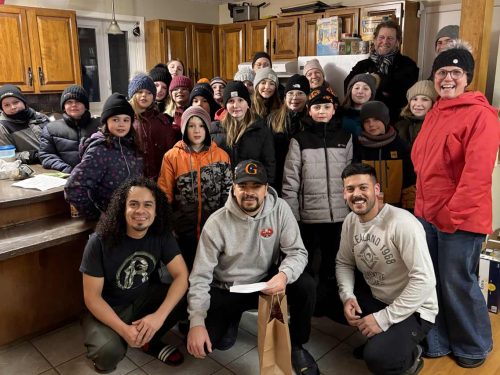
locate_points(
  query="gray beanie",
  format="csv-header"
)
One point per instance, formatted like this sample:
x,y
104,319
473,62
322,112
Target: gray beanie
x,y
244,74
366,78
450,31
263,74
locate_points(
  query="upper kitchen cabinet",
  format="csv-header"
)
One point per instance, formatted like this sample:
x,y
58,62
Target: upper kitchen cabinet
x,y
258,38
307,37
231,48
39,49
349,17
285,34
205,48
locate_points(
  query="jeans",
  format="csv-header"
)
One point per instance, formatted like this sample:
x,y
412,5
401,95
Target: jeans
x,y
462,325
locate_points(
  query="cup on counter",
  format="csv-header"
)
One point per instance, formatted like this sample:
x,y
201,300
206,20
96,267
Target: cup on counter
x,y
8,153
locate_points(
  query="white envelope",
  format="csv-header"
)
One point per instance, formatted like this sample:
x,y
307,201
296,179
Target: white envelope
x,y
248,288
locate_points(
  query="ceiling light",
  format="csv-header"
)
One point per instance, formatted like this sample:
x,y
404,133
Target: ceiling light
x,y
113,27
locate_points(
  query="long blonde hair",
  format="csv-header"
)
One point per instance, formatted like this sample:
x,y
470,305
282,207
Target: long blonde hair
x,y
263,107
235,129
170,107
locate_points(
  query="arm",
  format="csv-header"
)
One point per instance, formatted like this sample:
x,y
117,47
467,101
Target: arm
x,y
166,180
395,85
345,264
292,174
48,153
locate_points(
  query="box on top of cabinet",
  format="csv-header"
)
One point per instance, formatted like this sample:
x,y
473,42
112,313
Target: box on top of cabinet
x,y
369,24
328,32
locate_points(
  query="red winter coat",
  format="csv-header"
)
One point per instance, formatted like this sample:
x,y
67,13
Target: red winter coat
x,y
454,155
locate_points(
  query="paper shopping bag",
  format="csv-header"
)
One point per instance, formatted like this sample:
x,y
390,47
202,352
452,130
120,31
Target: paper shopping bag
x,y
273,336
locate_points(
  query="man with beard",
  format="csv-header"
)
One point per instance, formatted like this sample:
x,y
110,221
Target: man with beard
x,y
253,238
388,246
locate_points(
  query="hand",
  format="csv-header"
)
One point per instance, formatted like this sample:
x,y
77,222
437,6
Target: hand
x,y
129,334
277,284
368,326
351,307
196,341
147,327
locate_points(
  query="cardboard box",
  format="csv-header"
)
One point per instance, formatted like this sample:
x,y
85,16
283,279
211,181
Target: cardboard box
x,y
328,31
489,278
369,24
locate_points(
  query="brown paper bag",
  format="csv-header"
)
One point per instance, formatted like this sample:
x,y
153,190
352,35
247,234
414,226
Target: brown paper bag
x,y
273,336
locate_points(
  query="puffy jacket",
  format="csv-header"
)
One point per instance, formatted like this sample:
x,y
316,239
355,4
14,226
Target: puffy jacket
x,y
408,128
312,182
60,140
156,136
454,155
105,165
196,184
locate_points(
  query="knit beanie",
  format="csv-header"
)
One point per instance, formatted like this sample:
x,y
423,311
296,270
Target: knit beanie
x,y
244,74
218,80
236,89
298,82
263,74
450,31
458,56
207,93
11,90
203,115
424,87
376,110
366,78
180,81
322,95
313,64
141,82
116,104
75,92
160,74
258,55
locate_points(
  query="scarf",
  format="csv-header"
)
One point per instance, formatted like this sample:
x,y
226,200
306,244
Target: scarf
x,y
383,61
376,141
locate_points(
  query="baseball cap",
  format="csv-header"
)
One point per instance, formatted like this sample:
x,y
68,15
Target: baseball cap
x,y
250,171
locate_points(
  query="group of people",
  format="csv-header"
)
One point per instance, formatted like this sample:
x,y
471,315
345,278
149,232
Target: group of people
x,y
228,183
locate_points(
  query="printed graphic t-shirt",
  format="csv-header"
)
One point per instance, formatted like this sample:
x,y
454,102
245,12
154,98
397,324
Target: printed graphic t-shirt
x,y
129,267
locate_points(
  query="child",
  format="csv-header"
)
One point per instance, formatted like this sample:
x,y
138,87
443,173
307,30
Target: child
x,y
202,96
266,97
162,78
196,177
421,97
20,125
380,146
179,89
155,135
312,183
361,89
218,84
60,139
175,67
286,121
246,75
110,156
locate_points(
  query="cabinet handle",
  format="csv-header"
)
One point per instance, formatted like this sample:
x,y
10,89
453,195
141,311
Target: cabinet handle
x,y
274,46
30,76
41,76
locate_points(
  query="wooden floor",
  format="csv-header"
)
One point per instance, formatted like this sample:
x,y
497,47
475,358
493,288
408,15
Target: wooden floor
x,y
446,365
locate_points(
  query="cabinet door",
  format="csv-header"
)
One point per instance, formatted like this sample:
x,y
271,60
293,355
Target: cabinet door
x,y
178,44
155,43
232,48
15,57
54,45
307,45
205,57
285,35
257,38
350,19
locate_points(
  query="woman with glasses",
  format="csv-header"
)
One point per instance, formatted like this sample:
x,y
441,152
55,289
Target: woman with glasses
x,y
286,121
454,155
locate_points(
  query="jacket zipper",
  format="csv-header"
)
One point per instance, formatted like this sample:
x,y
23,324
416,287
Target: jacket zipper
x,y
327,174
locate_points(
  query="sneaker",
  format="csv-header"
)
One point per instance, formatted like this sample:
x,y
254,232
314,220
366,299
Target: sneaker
x,y
418,365
228,340
469,362
303,363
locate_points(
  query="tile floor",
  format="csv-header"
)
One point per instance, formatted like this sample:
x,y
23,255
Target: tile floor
x,y
62,352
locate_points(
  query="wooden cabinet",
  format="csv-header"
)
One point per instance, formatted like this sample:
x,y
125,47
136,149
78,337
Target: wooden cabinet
x,y
194,44
285,34
307,34
258,38
39,49
350,19
231,48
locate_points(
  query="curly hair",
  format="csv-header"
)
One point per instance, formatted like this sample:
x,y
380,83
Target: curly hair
x,y
112,227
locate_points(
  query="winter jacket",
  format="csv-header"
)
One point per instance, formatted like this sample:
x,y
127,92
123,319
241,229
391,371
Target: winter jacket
x,y
392,163
293,126
236,248
105,165
454,155
60,140
403,73
196,184
156,136
408,128
351,120
23,131
312,183
218,134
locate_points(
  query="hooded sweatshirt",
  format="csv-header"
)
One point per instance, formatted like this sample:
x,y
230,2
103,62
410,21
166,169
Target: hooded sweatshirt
x,y
454,155
236,248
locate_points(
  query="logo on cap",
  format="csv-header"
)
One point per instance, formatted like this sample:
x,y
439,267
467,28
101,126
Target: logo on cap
x,y
455,61
251,168
234,94
296,86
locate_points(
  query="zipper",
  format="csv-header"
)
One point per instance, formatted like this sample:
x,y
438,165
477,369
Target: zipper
x,y
327,173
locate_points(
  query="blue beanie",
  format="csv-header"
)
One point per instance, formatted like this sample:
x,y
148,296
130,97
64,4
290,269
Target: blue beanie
x,y
141,82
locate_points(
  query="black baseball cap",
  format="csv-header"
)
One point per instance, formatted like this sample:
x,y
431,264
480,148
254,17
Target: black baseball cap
x,y
250,171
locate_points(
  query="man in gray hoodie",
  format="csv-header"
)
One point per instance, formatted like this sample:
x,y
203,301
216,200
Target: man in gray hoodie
x,y
253,238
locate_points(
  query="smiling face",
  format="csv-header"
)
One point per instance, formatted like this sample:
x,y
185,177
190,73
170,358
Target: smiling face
x,y
360,193
295,100
196,131
180,96
420,105
175,68
140,211
450,82
218,90
360,93
261,62
250,196
161,90
266,88
237,107
11,105
322,112
144,99
119,125
386,41
74,108
443,43
315,78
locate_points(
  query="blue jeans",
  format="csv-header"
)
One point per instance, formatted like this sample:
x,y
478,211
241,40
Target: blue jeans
x,y
462,325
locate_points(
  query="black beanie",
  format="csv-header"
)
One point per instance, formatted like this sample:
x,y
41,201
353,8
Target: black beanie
x,y
160,74
298,82
322,95
11,90
116,104
236,89
376,110
458,56
258,55
202,90
75,92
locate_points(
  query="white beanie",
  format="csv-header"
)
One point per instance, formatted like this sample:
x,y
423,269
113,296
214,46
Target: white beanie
x,y
313,64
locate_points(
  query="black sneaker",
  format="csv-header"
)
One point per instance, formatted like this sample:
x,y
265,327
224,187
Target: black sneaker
x,y
469,362
418,365
228,340
303,362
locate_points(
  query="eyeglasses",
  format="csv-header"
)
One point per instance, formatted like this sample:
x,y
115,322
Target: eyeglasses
x,y
298,94
454,74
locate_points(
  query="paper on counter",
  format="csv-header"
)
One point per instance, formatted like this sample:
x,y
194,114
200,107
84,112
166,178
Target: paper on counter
x,y
248,288
40,182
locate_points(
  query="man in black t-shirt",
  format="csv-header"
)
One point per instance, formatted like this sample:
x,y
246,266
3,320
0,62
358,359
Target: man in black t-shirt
x,y
127,302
